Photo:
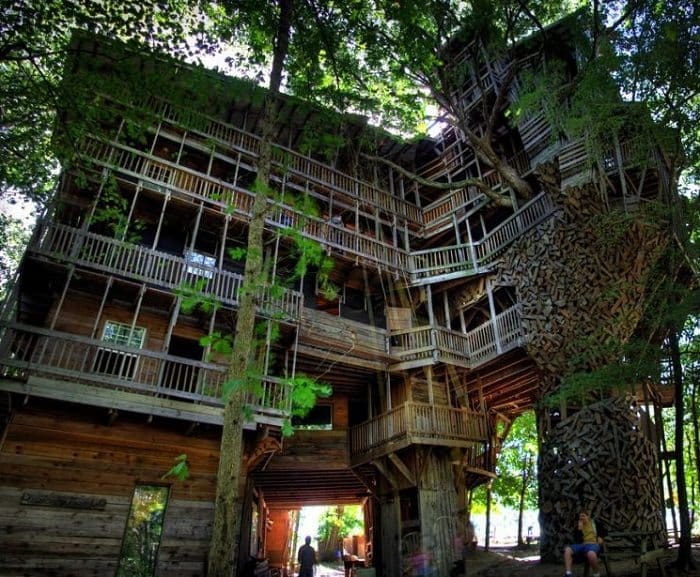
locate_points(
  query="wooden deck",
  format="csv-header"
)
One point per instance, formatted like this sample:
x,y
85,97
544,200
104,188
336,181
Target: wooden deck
x,y
70,367
422,346
135,262
415,423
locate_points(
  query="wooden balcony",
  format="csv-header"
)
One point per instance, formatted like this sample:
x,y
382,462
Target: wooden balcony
x,y
287,161
416,423
161,175
111,256
444,263
421,346
433,265
68,367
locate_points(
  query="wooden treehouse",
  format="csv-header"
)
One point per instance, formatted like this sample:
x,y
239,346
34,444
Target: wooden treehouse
x,y
452,317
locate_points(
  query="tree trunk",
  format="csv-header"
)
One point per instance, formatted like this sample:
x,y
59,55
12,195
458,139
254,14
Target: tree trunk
x,y
527,466
684,560
487,539
224,551
483,149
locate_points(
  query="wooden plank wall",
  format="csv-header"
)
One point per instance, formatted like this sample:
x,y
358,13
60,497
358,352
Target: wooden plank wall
x,y
60,453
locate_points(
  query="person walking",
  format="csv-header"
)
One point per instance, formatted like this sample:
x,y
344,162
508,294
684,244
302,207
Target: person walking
x,y
306,558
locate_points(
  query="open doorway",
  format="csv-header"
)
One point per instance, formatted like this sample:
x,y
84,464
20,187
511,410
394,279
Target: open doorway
x,y
337,534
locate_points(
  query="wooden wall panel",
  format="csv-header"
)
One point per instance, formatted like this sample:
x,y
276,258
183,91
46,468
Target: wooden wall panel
x,y
312,450
278,537
61,455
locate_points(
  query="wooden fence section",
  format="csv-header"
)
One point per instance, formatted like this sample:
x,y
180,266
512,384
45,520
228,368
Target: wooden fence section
x,y
31,352
420,422
451,261
288,161
163,269
421,346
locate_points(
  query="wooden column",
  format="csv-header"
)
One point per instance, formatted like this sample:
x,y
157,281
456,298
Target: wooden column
x,y
156,238
492,312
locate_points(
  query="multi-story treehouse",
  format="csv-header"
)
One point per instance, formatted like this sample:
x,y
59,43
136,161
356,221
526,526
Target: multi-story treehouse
x,y
453,314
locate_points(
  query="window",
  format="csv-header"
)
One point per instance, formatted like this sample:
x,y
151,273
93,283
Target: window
x,y
115,362
319,418
199,264
143,531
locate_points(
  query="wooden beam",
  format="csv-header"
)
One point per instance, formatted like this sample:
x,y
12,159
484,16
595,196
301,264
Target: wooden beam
x,y
385,473
403,469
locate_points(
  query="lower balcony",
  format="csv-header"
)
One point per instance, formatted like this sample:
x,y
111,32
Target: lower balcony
x,y
416,424
421,346
68,367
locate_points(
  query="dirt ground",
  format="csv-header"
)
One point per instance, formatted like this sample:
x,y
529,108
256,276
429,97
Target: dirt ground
x,y
512,562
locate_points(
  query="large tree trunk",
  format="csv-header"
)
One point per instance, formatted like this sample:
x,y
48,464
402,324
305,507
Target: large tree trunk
x,y
225,542
685,554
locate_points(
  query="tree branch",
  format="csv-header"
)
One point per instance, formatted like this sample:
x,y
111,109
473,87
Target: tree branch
x,y
497,199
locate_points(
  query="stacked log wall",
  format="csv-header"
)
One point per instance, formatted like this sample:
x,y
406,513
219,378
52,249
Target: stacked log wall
x,y
582,279
66,483
598,460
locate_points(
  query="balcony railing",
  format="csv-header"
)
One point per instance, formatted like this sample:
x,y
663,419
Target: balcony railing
x,y
290,162
163,269
423,264
424,345
443,262
164,175
417,422
27,351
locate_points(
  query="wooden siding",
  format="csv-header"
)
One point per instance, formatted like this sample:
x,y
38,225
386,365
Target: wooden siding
x,y
68,454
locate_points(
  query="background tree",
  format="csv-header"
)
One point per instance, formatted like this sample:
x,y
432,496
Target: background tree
x,y
516,484
335,524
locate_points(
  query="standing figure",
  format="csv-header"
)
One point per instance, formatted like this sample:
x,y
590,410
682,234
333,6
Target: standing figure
x,y
306,558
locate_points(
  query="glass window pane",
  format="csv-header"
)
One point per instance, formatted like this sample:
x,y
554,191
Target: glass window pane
x,y
143,531
123,334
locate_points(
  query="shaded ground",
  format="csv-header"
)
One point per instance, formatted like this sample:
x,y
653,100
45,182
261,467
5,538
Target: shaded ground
x,y
512,562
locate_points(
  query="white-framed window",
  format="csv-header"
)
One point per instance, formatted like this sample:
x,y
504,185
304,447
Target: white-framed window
x,y
200,264
116,362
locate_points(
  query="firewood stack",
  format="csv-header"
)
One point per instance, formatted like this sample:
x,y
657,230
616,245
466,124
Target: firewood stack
x,y
598,460
582,278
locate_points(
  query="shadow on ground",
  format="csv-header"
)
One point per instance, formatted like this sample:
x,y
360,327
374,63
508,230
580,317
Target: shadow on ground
x,y
514,562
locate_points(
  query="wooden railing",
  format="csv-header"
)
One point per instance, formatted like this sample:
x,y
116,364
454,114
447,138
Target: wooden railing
x,y
286,160
437,263
462,200
32,351
527,216
434,424
163,269
426,344
536,134
422,265
163,174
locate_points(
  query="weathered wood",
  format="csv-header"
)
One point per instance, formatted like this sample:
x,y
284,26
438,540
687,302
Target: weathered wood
x,y
598,460
66,483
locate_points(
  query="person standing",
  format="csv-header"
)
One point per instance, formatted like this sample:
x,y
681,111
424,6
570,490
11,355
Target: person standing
x,y
306,558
